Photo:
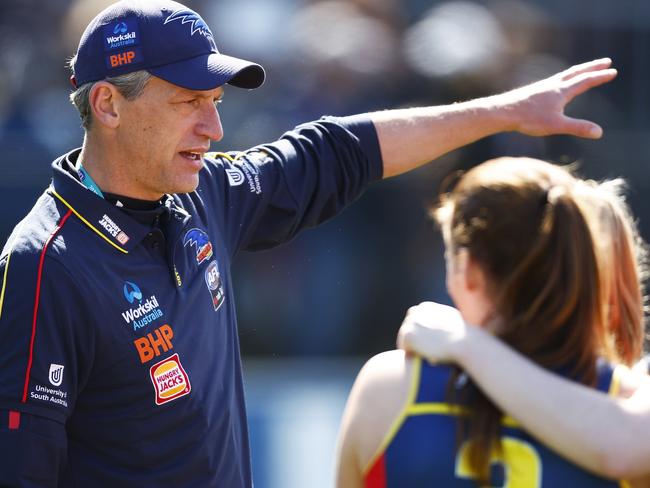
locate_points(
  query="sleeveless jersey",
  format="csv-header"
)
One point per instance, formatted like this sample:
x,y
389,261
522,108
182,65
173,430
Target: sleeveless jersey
x,y
420,449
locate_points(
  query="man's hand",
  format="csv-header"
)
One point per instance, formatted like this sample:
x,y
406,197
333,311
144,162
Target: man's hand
x,y
409,138
433,331
538,109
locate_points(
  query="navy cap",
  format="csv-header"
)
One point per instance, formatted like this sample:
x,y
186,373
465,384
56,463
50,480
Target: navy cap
x,y
163,37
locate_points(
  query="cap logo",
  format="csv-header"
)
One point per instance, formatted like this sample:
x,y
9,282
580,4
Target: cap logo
x,y
120,28
186,16
121,34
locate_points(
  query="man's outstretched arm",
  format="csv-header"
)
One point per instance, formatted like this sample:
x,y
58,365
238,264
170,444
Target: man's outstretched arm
x,y
411,137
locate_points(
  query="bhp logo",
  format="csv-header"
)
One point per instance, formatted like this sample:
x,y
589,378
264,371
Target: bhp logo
x,y
154,344
122,58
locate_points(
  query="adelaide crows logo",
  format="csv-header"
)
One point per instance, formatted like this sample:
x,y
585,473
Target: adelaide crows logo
x,y
201,242
186,16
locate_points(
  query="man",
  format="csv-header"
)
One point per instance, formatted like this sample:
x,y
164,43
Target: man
x,y
118,341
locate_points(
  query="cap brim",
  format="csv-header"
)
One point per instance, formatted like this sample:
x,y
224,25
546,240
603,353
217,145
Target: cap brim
x,y
209,71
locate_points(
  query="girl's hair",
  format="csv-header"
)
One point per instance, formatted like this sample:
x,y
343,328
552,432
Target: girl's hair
x,y
559,295
622,266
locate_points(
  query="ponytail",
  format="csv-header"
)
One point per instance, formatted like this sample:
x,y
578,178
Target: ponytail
x,y
522,222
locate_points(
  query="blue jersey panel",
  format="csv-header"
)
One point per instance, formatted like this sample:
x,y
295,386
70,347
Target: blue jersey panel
x,y
423,452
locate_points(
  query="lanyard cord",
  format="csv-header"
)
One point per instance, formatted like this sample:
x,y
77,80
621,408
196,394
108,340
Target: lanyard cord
x,y
88,182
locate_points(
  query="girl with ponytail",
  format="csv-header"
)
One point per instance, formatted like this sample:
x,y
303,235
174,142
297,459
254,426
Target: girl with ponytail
x,y
525,264
605,435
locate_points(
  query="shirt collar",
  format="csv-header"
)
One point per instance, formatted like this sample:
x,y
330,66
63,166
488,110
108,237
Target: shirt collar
x,y
113,225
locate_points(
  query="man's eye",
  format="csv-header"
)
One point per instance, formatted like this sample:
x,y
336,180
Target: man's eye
x,y
217,101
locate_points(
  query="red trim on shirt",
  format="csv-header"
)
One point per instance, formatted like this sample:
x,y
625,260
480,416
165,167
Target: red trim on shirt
x,y
36,300
376,477
14,420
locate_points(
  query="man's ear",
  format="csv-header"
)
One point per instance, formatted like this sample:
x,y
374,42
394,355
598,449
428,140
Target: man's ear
x,y
103,100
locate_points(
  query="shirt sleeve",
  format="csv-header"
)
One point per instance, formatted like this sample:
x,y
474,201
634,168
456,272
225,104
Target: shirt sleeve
x,y
46,343
32,450
306,177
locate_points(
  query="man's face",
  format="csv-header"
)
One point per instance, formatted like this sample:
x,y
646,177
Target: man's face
x,y
163,135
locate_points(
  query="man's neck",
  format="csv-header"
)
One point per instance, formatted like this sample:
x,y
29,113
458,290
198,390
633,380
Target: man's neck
x,y
106,168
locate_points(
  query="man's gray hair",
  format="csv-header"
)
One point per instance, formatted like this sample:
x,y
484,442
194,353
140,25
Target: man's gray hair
x,y
130,86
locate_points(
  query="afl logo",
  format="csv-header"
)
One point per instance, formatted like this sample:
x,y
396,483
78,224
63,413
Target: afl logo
x,y
56,374
214,284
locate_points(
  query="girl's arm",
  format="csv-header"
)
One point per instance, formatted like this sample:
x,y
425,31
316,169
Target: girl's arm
x,y
378,396
602,434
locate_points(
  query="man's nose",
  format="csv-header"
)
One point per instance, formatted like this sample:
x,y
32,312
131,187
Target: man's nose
x,y
210,123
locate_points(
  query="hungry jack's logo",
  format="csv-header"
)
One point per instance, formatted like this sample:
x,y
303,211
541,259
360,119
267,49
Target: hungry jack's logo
x,y
201,243
170,381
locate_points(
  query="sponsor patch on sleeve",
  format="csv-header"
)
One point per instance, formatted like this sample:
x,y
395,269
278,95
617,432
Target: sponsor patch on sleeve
x,y
170,381
235,176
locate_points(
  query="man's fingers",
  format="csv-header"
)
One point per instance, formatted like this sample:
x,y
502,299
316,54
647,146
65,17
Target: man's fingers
x,y
586,81
578,69
581,128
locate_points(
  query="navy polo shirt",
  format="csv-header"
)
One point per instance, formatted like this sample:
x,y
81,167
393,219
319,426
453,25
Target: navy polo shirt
x,y
119,355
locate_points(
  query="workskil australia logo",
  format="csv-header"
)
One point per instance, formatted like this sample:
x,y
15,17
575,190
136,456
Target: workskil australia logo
x,y
186,16
121,33
142,313
200,241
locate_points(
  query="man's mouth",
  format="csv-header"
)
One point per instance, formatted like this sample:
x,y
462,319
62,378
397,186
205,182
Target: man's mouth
x,y
194,156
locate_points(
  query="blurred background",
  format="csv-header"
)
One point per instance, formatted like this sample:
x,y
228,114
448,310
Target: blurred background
x,y
311,311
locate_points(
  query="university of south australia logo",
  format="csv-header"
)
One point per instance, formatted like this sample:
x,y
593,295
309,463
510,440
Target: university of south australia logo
x,y
56,374
235,176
